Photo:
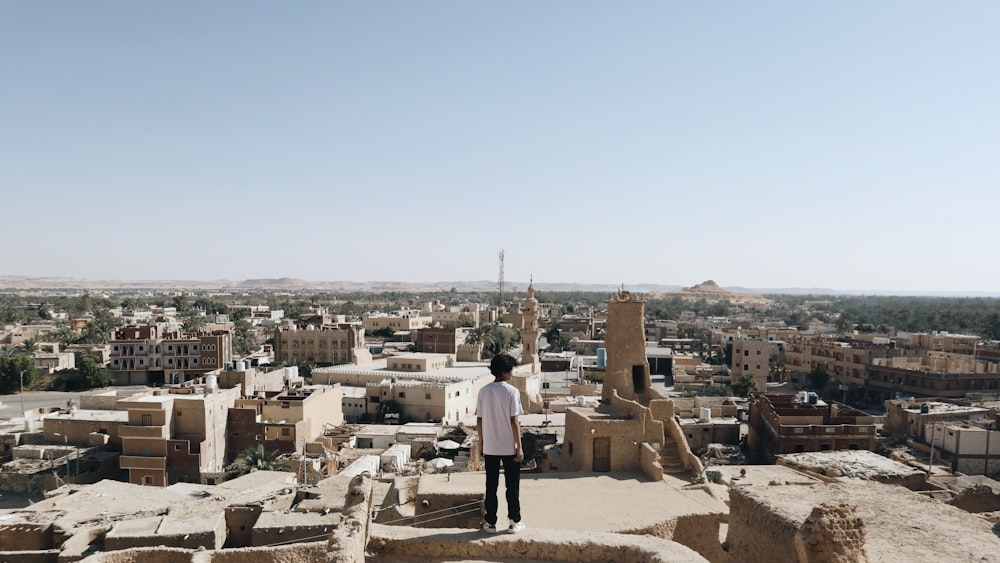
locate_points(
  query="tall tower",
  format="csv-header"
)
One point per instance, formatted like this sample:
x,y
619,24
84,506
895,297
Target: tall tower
x,y
529,330
628,368
500,285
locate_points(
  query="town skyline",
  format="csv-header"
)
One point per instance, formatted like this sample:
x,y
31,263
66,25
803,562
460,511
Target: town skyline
x,y
768,145
512,287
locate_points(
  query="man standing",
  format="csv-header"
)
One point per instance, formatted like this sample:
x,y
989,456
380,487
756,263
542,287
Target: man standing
x,y
497,409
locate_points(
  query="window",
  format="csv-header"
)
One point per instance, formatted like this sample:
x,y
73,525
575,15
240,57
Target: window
x,y
285,405
177,447
746,367
402,394
427,396
147,479
286,431
746,352
147,420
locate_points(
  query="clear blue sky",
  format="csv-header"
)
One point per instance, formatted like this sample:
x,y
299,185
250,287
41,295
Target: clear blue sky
x,y
849,145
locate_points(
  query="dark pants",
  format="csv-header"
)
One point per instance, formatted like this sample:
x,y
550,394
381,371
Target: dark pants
x,y
512,476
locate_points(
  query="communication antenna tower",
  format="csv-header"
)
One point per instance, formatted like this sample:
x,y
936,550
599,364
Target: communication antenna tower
x,y
500,282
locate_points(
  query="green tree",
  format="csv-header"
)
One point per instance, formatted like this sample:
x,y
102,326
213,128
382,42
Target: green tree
x,y
86,303
384,332
244,338
182,304
557,342
30,346
477,335
776,364
11,368
500,339
64,335
93,374
744,385
193,323
389,406
256,458
817,378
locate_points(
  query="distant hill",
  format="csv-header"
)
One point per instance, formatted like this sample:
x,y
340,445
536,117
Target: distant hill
x,y
20,283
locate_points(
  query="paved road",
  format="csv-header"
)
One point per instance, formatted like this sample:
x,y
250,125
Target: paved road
x,y
32,400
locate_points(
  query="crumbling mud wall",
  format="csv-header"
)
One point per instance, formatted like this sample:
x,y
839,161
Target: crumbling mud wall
x,y
833,533
296,553
144,555
977,499
699,532
531,544
348,540
758,532
43,556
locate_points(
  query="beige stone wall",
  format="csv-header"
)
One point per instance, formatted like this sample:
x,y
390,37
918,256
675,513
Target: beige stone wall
x,y
625,433
649,462
469,353
535,545
26,536
396,323
347,543
45,556
239,523
295,553
746,538
691,462
324,407
626,345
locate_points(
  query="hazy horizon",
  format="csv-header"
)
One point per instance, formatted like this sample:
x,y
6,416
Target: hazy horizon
x,y
765,145
519,286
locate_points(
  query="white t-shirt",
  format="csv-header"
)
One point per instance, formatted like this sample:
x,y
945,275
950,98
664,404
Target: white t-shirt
x,y
497,402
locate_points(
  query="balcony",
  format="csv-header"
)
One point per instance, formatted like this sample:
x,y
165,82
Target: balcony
x,y
143,462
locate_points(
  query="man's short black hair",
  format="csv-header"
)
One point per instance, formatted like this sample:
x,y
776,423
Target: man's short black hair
x,y
501,364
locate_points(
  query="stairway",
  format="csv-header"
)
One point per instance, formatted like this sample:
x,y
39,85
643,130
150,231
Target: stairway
x,y
670,459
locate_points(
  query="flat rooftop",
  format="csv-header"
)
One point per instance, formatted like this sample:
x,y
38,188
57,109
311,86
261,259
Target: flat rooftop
x,y
457,371
852,464
589,502
98,415
900,525
713,420
940,408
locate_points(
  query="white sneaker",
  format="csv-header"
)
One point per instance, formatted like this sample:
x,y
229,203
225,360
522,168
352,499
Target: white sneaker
x,y
489,528
516,527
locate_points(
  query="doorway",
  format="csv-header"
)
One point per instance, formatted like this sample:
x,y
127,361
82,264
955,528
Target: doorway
x,y
602,455
639,378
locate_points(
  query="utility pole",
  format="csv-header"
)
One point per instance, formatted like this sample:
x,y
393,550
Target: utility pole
x,y
22,397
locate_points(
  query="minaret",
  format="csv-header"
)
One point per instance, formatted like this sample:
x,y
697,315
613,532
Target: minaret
x,y
529,329
628,368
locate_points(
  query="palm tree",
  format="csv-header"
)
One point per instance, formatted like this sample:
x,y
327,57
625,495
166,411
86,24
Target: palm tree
x,y
256,458
193,324
29,345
